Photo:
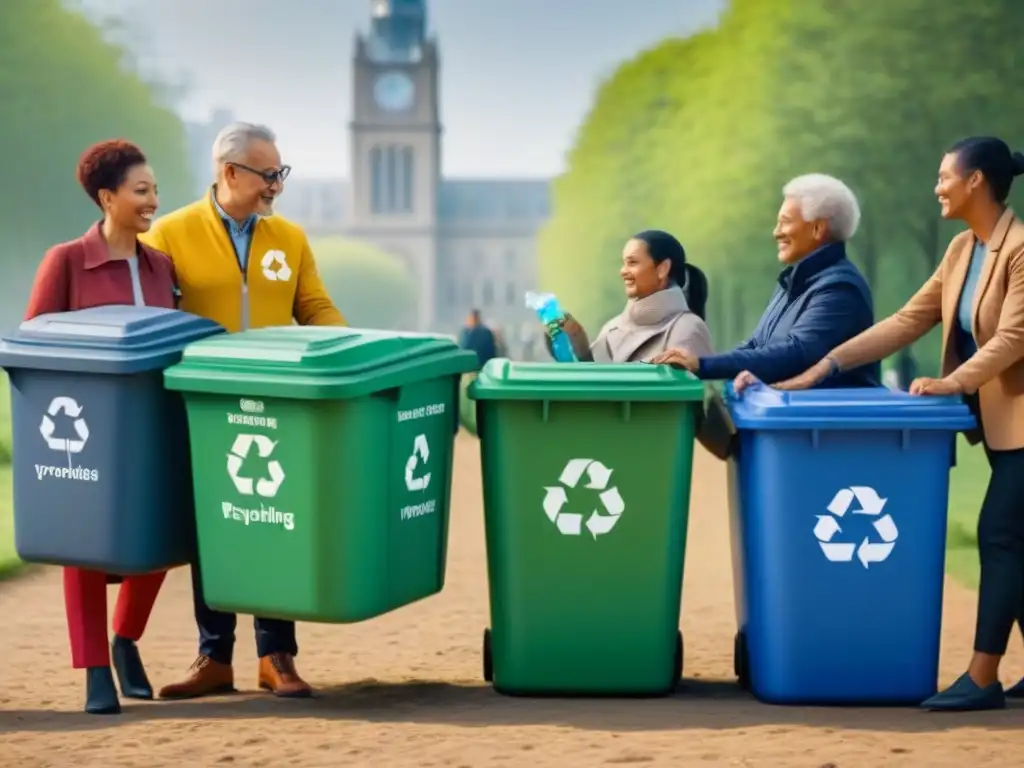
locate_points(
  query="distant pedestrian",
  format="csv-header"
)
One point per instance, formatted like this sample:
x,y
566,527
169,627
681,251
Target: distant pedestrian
x,y
478,337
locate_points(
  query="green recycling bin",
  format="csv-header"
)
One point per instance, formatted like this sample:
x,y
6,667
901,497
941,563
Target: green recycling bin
x,y
586,476
321,464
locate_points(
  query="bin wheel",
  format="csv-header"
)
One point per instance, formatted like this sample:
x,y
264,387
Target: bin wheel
x,y
488,658
677,663
741,660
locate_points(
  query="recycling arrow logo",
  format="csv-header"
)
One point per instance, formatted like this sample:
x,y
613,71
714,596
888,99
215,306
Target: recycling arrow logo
x,y
867,551
598,477
420,450
266,487
70,407
275,266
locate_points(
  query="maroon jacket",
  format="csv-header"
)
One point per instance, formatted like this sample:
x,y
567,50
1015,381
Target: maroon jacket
x,y
80,274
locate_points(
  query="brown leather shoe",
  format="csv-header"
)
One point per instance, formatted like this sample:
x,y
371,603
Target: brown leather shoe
x,y
278,675
206,677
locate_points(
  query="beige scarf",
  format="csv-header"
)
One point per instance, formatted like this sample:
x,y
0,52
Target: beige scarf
x,y
640,320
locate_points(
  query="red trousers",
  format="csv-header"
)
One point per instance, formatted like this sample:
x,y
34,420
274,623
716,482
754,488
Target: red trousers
x,y
85,601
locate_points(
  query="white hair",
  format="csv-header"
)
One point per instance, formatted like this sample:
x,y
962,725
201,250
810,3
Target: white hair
x,y
233,141
826,197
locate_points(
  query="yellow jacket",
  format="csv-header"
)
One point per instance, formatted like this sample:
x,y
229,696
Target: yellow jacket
x,y
281,282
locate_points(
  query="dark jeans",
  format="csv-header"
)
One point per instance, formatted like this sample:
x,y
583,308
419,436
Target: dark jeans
x,y
217,629
1001,552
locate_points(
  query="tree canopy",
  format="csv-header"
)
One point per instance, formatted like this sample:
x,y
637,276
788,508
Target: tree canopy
x,y
697,136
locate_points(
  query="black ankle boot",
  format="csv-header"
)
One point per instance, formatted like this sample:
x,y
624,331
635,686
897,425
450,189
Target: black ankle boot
x,y
100,693
131,675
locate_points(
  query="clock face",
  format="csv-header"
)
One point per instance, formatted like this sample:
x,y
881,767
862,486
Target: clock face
x,y
394,91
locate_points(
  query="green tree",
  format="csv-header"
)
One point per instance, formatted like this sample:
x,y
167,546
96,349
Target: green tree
x,y
886,120
698,136
613,186
373,289
62,88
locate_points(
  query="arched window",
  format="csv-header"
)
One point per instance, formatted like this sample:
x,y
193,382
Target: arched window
x,y
407,176
391,162
377,180
392,170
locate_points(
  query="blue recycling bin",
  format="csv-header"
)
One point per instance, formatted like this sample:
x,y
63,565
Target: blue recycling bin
x,y
838,513
101,470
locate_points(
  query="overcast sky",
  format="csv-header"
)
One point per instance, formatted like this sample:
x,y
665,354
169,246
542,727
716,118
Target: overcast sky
x,y
517,75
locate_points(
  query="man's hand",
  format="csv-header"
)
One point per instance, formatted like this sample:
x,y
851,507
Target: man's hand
x,y
679,358
926,386
813,376
743,380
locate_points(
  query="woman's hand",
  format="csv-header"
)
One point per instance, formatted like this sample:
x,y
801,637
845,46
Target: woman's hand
x,y
679,358
926,386
743,380
813,376
571,326
577,338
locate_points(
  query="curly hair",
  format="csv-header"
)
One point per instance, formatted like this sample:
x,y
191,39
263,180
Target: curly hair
x,y
105,165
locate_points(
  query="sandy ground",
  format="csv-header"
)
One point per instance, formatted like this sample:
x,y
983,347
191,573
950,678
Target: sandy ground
x,y
406,689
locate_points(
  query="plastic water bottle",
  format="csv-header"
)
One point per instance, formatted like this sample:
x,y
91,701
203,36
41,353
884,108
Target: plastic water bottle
x,y
551,314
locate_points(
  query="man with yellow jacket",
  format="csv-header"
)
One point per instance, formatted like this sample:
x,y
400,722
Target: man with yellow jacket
x,y
242,267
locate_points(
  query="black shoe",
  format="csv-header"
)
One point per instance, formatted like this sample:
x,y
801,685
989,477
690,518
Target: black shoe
x,y
131,675
100,693
967,696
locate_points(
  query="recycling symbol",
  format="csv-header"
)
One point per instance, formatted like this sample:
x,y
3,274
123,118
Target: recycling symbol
x,y
265,487
275,266
571,523
420,450
867,551
46,427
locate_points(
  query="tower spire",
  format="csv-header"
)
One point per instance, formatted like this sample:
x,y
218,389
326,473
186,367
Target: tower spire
x,y
398,29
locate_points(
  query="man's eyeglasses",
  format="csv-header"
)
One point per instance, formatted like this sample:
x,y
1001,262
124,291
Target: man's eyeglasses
x,y
270,177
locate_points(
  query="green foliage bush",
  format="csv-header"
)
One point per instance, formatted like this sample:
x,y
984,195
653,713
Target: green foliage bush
x,y
5,420
373,289
467,407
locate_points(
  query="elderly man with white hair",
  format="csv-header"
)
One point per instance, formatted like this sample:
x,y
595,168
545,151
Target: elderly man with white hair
x,y
243,267
821,299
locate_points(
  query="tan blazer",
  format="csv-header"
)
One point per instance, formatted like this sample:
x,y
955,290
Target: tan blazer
x,y
996,371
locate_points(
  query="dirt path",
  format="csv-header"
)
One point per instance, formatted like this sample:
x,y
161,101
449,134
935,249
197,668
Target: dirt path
x,y
405,689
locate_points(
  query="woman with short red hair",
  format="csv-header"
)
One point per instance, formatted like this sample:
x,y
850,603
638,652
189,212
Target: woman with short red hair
x,y
108,265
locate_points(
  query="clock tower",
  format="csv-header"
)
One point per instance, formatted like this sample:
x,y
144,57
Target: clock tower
x,y
395,142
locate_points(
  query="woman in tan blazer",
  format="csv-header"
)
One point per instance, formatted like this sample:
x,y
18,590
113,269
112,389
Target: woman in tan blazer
x,y
977,293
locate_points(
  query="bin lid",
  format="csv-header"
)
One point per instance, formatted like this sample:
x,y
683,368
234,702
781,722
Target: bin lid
x,y
761,407
503,379
116,339
316,362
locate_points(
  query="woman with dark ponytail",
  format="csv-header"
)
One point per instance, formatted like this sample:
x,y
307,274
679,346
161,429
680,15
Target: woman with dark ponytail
x,y
666,301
